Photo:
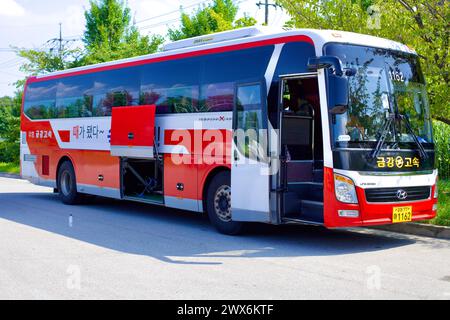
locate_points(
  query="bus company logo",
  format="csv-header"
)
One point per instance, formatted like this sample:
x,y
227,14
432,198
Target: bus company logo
x,y
219,118
40,134
398,162
203,40
401,194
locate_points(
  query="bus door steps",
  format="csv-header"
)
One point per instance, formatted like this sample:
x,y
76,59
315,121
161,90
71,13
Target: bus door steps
x,y
318,175
312,211
307,190
151,199
300,221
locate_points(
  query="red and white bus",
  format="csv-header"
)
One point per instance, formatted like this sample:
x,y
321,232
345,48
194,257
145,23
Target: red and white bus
x,y
305,126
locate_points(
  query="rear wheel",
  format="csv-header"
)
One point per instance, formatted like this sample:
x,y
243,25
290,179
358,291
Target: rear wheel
x,y
218,205
67,184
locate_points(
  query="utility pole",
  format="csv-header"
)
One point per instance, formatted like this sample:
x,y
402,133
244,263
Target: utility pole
x,y
266,5
60,39
59,43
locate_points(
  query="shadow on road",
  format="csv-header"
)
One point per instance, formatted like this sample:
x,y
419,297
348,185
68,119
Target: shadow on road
x,y
176,236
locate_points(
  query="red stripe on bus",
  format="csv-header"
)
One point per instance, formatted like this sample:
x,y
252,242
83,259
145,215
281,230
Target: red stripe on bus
x,y
247,45
64,135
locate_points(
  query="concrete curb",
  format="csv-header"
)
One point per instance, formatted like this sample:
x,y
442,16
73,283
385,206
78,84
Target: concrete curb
x,y
418,229
10,175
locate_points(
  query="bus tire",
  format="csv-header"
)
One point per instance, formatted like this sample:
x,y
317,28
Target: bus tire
x,y
218,205
67,184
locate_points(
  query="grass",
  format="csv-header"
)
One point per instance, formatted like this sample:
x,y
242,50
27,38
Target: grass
x,y
9,167
443,216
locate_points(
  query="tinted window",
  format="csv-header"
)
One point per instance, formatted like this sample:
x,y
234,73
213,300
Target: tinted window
x,y
294,58
197,84
173,86
73,98
177,99
40,100
248,64
114,88
217,97
249,120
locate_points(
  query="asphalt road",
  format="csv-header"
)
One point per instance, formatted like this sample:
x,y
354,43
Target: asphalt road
x,y
112,249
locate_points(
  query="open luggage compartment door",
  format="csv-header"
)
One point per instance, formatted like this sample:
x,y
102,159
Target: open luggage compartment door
x,y
132,131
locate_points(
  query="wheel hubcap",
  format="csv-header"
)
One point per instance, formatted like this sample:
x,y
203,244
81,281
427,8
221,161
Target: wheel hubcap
x,y
222,203
66,183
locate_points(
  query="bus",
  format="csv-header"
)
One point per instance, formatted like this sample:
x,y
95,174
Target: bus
x,y
298,126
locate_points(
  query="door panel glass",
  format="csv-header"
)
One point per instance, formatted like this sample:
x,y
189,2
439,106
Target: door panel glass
x,y
249,122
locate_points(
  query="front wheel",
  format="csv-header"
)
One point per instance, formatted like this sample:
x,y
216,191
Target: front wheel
x,y
67,184
218,205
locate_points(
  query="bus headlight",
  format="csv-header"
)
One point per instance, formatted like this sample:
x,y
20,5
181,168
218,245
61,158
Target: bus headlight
x,y
345,189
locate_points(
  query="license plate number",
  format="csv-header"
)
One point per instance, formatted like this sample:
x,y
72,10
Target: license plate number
x,y
401,214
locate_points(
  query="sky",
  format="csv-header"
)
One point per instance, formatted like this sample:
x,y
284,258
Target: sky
x,y
31,23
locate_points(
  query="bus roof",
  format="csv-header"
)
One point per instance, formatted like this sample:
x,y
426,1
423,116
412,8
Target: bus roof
x,y
242,36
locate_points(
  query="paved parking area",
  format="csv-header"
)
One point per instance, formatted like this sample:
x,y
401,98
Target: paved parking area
x,y
111,249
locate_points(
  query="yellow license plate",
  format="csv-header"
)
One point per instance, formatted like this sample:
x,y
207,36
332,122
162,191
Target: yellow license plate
x,y
401,214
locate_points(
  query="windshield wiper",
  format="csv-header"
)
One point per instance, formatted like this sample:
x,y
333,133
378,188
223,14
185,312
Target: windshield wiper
x,y
384,132
422,152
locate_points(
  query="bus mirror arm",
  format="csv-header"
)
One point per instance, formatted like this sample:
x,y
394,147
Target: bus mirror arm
x,y
325,62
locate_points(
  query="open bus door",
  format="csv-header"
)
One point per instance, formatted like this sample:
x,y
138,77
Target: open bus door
x,y
249,170
300,178
132,131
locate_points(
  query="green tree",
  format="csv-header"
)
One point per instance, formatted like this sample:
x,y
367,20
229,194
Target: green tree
x,y
43,61
421,24
110,35
10,128
218,16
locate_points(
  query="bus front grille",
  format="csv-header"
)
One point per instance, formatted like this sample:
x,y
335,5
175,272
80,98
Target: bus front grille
x,y
401,194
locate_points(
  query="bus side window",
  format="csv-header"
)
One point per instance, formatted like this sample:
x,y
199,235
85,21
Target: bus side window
x,y
40,100
216,97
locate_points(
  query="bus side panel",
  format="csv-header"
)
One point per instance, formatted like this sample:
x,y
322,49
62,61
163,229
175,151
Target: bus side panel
x,y
97,172
194,154
206,168
184,183
38,146
180,182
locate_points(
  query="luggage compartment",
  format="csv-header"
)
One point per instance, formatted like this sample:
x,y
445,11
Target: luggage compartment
x,y
142,180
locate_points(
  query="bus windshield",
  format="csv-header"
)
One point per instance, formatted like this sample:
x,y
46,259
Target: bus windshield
x,y
386,82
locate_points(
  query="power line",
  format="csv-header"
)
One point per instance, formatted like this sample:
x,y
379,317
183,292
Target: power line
x,y
160,23
174,19
10,73
174,11
10,63
79,37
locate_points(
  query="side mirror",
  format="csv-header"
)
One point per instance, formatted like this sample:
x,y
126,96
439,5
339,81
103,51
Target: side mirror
x,y
337,81
337,94
325,62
